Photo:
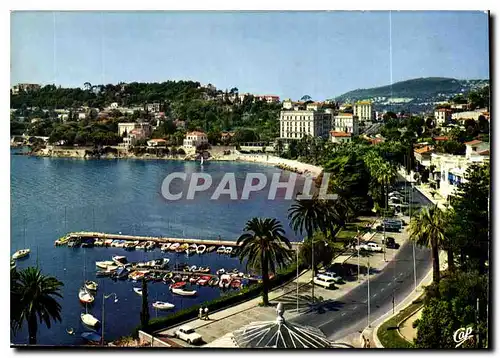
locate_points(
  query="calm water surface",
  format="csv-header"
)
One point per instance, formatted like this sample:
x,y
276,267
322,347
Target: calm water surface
x,y
50,197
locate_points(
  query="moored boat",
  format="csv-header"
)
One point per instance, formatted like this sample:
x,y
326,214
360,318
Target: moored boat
x,y
221,250
203,280
89,320
211,249
84,296
214,281
179,284
193,268
141,246
228,250
91,337
21,253
119,260
159,305
193,279
182,292
174,246
221,271
138,290
91,285
165,247
108,242
201,249
236,283
99,242
122,273
137,275
104,264
150,245
225,281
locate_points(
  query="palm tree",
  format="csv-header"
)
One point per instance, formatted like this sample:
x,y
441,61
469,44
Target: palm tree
x,y
309,215
36,301
428,228
264,245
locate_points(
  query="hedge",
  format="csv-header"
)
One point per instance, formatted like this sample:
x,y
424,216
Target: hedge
x,y
244,294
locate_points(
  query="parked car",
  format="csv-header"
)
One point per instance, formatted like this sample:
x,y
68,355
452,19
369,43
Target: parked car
x,y
187,334
331,274
369,246
391,243
326,282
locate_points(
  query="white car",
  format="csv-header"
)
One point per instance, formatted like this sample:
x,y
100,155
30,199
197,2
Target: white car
x,y
369,246
326,282
188,335
333,275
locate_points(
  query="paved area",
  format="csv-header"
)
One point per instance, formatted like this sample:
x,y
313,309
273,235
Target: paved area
x,y
406,328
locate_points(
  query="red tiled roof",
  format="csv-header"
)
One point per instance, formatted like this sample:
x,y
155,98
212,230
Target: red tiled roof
x,y
425,149
339,134
473,142
198,133
440,138
443,110
157,140
484,152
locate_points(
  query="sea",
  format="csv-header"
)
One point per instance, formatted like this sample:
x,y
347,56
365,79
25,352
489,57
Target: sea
x,y
53,196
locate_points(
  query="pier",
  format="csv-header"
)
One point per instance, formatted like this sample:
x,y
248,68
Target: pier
x,y
158,240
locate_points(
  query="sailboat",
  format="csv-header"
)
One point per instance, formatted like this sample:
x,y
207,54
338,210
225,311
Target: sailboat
x,y
89,320
201,160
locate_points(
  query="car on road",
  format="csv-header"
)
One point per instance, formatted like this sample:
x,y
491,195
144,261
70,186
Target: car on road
x,y
187,334
330,274
391,243
369,246
326,282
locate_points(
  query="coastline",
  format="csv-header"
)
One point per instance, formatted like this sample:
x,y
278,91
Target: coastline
x,y
278,162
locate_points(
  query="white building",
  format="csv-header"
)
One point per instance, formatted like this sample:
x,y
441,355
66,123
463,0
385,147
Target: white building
x,y
295,124
340,137
269,98
364,111
157,143
346,122
462,116
194,139
130,126
442,116
475,148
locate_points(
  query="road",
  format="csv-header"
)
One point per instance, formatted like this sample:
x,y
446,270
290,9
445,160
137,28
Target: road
x,y
348,315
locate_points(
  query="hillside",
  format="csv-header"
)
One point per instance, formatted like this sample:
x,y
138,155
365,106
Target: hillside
x,y
429,88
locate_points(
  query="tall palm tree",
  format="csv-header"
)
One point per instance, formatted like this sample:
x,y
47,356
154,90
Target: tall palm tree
x,y
36,301
309,215
428,228
264,245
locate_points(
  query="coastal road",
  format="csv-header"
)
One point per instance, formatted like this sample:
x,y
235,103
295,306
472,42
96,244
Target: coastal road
x,y
349,314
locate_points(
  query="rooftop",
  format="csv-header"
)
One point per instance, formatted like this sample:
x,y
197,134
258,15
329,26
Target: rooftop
x,y
197,133
441,138
473,142
425,149
339,134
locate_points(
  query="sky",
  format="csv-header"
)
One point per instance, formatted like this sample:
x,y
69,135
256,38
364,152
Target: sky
x,y
290,54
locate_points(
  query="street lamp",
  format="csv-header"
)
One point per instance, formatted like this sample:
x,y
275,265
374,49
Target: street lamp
x,y
368,300
105,297
358,257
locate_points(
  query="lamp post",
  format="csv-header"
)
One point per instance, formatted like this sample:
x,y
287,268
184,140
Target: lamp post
x,y
312,268
105,297
358,258
297,252
368,300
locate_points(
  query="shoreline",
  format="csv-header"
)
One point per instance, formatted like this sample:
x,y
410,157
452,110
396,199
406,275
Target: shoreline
x,y
278,162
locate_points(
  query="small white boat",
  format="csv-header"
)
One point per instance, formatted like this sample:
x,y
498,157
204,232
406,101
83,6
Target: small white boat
x,y
104,264
119,260
89,320
138,290
150,245
228,250
91,285
180,291
221,250
193,268
165,247
225,281
221,271
174,246
21,253
85,296
108,242
98,242
159,305
201,249
141,245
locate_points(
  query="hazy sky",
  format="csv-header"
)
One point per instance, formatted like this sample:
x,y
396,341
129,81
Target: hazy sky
x,y
290,54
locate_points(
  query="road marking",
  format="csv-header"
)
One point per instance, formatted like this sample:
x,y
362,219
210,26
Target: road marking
x,y
355,307
382,289
343,313
374,295
390,283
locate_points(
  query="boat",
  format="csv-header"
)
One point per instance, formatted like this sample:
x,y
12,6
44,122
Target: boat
x,y
174,246
12,264
150,245
141,246
203,280
159,305
235,271
138,290
211,248
85,296
89,320
228,250
165,247
91,337
119,260
104,264
179,284
203,269
182,292
185,278
221,271
201,249
225,281
182,248
108,242
193,279
131,245
177,278
164,263
192,248
137,275
115,243
168,277
192,268
221,250
99,242
122,273
111,268
101,273
214,281
236,283
91,285
21,253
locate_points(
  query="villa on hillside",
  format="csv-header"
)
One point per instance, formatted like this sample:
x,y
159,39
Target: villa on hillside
x,y
340,137
194,139
157,142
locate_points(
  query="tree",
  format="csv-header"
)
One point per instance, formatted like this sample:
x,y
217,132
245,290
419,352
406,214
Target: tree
x,y
324,249
35,300
145,304
428,228
264,245
306,98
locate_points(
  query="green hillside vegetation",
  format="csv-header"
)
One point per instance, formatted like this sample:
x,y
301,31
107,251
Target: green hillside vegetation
x,y
422,88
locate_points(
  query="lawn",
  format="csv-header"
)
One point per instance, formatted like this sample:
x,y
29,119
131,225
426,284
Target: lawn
x,y
388,331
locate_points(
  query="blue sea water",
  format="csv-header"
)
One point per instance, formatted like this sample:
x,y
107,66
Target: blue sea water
x,y
53,196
